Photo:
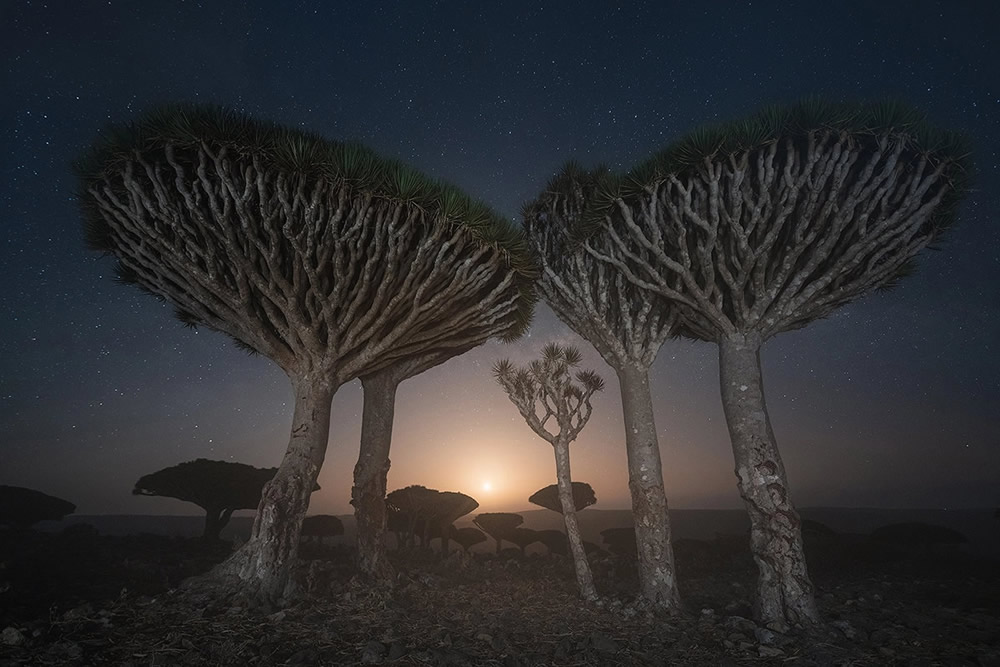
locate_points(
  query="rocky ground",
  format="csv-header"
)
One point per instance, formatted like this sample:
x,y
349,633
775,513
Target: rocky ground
x,y
83,599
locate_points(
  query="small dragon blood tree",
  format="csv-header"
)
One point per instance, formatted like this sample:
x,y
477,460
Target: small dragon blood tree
x,y
544,391
329,260
763,226
627,326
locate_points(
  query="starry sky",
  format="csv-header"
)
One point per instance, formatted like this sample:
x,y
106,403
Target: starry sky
x,y
892,402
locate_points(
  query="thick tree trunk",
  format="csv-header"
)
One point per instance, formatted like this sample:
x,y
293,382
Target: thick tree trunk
x,y
784,591
368,493
265,562
584,578
657,573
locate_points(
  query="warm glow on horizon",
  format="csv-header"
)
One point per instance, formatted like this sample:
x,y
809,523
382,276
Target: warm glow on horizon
x,y
487,486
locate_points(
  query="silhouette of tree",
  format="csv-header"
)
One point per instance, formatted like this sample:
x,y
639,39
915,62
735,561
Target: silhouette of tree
x,y
324,257
627,327
548,497
498,525
466,537
413,505
554,540
620,541
21,508
763,226
522,537
218,487
447,508
322,525
545,390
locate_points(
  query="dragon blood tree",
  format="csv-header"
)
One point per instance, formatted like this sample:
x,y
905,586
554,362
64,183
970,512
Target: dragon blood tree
x,y
545,391
218,487
331,261
761,227
627,326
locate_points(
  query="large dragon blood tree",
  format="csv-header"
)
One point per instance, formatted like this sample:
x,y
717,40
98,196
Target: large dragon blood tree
x,y
324,257
763,226
627,326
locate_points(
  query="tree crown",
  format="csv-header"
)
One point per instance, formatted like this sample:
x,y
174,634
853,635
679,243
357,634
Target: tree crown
x,y
763,225
548,497
865,122
186,132
21,507
212,485
546,390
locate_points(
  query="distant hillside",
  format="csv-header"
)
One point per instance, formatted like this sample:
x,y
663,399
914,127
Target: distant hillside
x,y
979,526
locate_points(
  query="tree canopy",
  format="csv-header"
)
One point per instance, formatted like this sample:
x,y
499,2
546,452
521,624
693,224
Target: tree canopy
x,y
548,497
498,525
22,508
767,223
218,487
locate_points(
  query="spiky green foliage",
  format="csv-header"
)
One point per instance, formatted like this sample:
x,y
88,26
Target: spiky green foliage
x,y
547,383
295,154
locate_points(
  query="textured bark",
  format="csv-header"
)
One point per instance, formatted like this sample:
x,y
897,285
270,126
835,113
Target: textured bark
x,y
657,573
368,493
784,591
584,577
265,562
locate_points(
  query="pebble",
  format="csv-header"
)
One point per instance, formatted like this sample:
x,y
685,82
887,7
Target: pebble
x,y
11,636
846,628
373,653
764,636
603,643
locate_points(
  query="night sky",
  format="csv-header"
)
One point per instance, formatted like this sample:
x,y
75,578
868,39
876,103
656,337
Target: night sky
x,y
893,402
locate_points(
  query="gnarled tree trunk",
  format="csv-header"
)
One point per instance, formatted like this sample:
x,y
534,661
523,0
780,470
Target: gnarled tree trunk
x,y
584,577
368,493
265,562
657,573
784,591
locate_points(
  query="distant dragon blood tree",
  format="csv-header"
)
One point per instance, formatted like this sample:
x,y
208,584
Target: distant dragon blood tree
x,y
466,537
761,227
545,391
627,327
548,497
428,512
498,525
21,508
218,487
324,257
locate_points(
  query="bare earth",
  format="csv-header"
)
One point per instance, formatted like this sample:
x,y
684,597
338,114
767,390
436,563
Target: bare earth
x,y
78,598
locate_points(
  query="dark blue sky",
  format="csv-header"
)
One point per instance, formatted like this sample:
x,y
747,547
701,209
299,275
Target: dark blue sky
x,y
892,402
